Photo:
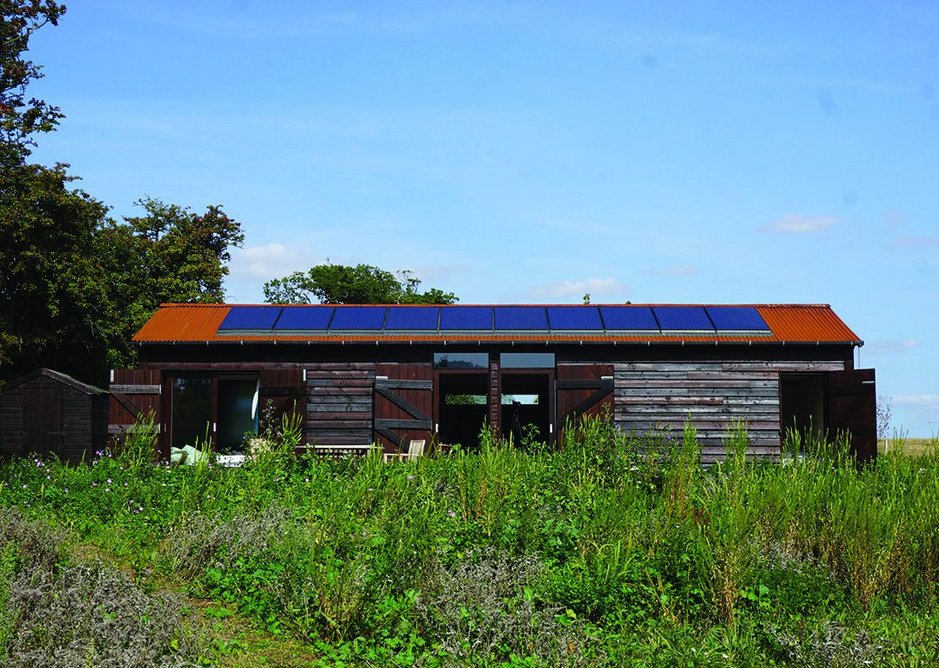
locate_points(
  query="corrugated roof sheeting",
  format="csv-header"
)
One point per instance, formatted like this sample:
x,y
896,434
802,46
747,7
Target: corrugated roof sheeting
x,y
806,323
793,323
184,322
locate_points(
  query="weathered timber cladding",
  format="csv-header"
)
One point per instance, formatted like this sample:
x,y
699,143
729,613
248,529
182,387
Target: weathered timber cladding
x,y
583,389
53,414
135,394
339,403
404,406
714,396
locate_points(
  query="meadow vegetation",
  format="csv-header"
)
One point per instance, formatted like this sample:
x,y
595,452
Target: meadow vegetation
x,y
612,551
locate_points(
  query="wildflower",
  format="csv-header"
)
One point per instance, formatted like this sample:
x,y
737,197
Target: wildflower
x,y
410,477
109,481
451,513
94,483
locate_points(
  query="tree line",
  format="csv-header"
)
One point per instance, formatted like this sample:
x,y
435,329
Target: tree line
x,y
76,283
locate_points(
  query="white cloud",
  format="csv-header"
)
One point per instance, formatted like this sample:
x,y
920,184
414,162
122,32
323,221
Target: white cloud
x,y
925,400
798,224
266,262
883,346
565,289
680,270
916,242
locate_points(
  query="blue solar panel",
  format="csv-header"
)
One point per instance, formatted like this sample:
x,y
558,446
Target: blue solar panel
x,y
250,317
683,318
349,318
521,317
737,318
475,318
305,317
628,317
412,318
580,318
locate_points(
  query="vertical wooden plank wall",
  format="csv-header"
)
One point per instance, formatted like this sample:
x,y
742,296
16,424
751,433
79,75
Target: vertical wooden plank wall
x,y
712,395
135,393
339,403
404,407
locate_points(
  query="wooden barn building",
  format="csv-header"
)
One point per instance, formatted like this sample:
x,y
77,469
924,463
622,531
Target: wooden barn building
x,y
387,374
49,413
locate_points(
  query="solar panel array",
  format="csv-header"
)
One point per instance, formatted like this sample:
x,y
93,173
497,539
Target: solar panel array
x,y
441,320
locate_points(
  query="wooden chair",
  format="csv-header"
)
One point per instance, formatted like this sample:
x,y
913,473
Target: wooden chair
x,y
415,450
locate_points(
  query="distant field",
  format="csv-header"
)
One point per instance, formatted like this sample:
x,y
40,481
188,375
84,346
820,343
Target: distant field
x,y
911,446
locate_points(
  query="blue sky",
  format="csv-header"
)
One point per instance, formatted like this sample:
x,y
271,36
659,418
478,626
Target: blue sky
x,y
519,152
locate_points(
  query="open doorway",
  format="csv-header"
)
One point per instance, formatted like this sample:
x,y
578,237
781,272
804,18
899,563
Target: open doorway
x,y
220,409
802,405
463,404
526,407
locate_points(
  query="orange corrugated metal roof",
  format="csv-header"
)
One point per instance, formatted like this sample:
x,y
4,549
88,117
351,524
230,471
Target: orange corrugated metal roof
x,y
789,323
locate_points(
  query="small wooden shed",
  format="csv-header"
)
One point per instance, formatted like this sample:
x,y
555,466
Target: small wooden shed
x,y
47,412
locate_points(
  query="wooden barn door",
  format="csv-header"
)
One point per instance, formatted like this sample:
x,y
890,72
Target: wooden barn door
x,y
404,405
852,407
135,394
42,418
582,389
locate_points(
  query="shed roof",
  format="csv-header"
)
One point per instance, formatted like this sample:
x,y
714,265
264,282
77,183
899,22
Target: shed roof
x,y
656,323
57,376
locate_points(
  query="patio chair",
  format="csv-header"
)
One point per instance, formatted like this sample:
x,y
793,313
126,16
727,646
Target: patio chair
x,y
415,450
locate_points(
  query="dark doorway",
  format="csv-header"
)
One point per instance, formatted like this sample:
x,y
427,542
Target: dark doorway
x,y
462,406
802,406
526,407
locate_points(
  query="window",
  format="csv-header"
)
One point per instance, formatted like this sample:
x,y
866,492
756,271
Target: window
x,y
526,360
459,361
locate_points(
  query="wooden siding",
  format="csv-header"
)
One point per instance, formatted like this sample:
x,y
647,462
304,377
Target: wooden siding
x,y
582,389
714,396
404,406
339,403
135,393
46,416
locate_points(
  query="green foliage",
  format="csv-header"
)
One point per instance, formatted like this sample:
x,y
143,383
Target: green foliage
x,y
74,284
612,551
361,284
21,117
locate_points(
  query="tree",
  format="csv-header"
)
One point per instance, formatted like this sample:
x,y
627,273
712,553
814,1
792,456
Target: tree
x,y
54,302
170,254
74,284
361,284
21,117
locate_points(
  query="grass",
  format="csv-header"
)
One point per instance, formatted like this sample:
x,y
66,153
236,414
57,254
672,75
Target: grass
x,y
612,552
909,446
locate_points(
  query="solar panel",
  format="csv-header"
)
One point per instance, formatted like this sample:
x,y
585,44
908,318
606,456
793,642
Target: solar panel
x,y
412,318
349,318
580,318
304,317
737,318
683,318
628,317
474,318
250,317
521,317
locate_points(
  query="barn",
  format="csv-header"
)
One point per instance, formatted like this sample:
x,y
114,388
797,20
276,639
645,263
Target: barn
x,y
49,413
385,374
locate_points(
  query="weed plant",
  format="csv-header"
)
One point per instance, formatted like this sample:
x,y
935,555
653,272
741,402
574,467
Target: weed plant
x,y
613,550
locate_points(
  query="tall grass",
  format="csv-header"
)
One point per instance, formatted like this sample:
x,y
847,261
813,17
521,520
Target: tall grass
x,y
626,548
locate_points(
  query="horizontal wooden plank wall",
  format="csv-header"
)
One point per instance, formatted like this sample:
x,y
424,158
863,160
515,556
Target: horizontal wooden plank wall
x,y
715,396
339,403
